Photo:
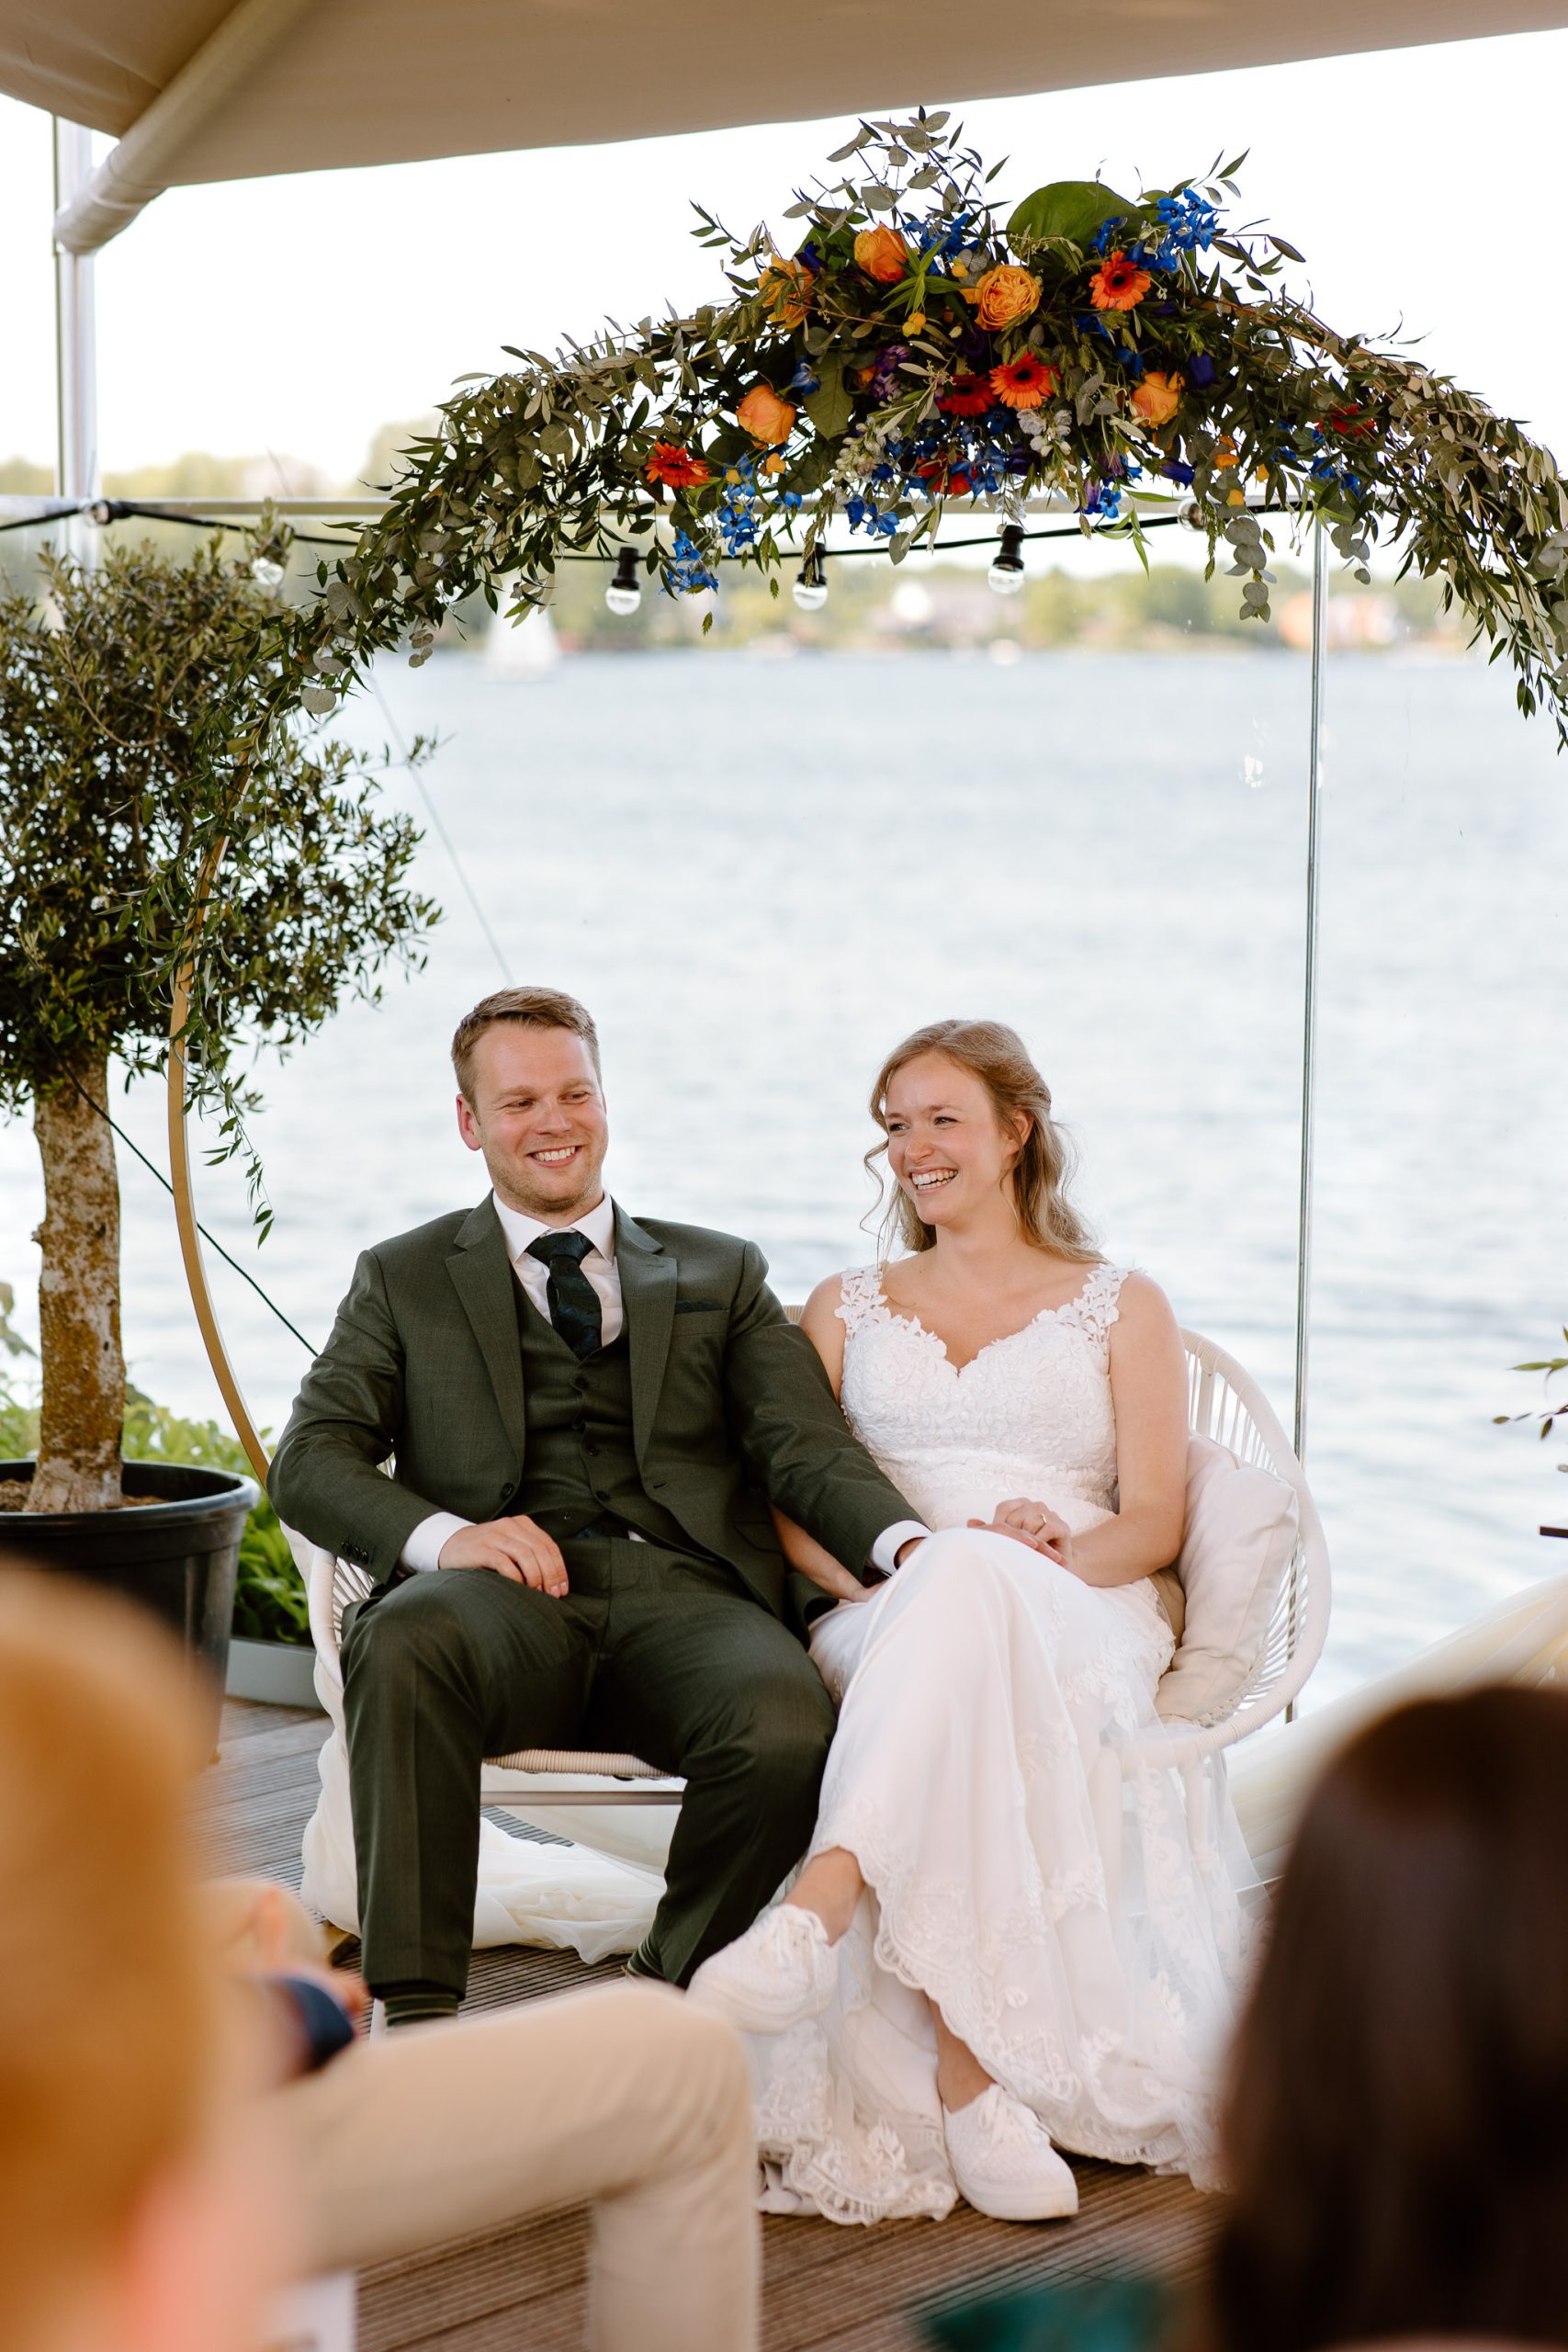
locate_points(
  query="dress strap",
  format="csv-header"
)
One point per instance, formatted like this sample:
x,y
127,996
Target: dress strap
x,y
1095,1308
860,1298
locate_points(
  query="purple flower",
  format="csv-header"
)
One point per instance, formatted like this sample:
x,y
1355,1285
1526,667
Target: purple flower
x,y
1201,369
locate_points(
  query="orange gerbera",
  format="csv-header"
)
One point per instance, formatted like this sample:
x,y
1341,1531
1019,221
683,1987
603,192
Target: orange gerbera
x,y
1118,284
1020,382
673,462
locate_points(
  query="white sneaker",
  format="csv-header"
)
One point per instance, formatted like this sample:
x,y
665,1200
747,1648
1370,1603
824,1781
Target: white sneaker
x,y
781,1971
1003,2160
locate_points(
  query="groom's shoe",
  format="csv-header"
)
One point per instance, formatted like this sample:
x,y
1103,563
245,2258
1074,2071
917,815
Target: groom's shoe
x,y
781,1971
1003,2160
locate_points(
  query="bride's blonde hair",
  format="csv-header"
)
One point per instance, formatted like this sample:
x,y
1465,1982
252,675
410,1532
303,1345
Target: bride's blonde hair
x,y
1046,1162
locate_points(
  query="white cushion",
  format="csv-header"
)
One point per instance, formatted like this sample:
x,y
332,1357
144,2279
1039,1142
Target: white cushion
x,y
1241,1532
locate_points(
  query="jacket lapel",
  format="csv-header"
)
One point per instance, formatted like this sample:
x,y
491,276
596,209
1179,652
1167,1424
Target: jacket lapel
x,y
482,1272
648,1294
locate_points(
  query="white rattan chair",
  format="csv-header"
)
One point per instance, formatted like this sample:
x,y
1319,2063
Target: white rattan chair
x,y
1226,1405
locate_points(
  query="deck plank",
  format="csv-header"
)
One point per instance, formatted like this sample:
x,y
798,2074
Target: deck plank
x,y
826,2289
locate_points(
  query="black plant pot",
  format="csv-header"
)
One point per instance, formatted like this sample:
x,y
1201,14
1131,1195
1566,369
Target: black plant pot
x,y
177,1555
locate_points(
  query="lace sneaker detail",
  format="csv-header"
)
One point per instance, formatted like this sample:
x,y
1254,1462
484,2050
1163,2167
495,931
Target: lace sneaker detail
x,y
860,1299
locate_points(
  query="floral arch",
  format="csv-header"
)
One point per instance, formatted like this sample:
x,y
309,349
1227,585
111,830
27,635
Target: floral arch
x,y
915,347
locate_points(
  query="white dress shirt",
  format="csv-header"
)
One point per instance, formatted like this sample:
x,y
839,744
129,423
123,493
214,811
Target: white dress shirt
x,y
423,1548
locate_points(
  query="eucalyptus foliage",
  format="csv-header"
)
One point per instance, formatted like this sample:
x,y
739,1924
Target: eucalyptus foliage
x,y
881,375
142,728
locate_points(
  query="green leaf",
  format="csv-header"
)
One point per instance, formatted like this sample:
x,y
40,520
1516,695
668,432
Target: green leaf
x,y
1073,208
830,406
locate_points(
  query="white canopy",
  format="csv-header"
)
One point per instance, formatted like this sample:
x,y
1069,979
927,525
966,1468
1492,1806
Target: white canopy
x,y
237,89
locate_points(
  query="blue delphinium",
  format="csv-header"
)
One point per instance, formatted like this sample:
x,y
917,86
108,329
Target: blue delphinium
x,y
805,378
1201,369
688,571
1187,221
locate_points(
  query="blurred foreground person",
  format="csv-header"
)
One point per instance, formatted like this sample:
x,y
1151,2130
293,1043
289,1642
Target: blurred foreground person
x,y
187,2118
1397,2128
135,2209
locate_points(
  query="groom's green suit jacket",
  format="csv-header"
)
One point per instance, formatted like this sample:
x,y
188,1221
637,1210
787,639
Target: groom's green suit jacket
x,y
730,1404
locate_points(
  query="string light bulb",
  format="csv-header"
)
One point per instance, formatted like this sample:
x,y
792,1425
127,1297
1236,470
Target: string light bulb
x,y
623,594
1007,574
811,585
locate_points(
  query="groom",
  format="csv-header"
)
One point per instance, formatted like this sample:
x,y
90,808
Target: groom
x,y
588,1417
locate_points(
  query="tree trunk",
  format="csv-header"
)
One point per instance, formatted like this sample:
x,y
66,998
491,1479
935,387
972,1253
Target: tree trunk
x,y
83,1370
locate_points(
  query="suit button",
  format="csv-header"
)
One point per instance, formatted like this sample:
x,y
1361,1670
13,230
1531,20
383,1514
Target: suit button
x,y
578,1426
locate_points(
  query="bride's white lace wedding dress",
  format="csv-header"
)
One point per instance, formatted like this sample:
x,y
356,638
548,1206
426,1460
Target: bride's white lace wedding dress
x,y
1077,1930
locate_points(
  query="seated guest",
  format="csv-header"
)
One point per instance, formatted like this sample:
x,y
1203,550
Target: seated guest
x,y
136,2210
622,2096
170,2148
1397,2127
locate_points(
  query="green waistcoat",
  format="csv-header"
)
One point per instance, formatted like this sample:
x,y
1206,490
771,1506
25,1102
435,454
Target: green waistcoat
x,y
581,1458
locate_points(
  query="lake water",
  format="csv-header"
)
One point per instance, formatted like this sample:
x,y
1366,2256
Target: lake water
x,y
759,874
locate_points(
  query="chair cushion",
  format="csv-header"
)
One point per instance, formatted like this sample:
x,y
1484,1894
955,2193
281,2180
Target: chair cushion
x,y
1241,1532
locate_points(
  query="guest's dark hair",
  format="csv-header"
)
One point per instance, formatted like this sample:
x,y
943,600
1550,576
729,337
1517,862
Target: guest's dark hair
x,y
1397,2118
525,1008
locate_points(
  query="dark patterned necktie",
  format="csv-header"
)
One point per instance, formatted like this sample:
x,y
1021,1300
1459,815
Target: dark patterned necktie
x,y
575,1310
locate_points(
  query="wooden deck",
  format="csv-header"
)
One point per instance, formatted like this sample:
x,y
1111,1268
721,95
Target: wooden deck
x,y
851,2289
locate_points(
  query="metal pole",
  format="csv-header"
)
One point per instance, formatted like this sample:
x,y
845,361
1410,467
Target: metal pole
x,y
1309,1027
76,344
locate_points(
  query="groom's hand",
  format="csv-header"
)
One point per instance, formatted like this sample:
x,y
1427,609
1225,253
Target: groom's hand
x,y
514,1548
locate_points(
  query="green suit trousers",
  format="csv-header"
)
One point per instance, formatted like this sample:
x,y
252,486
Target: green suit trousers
x,y
653,1652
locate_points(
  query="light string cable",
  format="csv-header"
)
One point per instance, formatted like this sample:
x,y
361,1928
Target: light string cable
x,y
448,844
213,1243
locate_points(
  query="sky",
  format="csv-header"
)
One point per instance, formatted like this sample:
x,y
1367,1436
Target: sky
x,y
296,315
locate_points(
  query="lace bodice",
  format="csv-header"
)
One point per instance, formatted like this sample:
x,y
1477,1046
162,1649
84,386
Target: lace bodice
x,y
1032,1414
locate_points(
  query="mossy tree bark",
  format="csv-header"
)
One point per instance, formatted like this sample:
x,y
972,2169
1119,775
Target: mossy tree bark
x,y
83,1369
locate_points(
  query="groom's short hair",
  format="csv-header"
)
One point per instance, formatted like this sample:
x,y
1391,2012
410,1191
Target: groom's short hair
x,y
526,1009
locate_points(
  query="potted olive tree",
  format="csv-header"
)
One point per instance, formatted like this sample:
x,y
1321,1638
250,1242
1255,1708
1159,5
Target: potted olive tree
x,y
158,800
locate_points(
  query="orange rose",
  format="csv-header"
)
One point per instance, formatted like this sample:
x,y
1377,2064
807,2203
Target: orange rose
x,y
1005,295
1157,398
883,254
764,416
787,287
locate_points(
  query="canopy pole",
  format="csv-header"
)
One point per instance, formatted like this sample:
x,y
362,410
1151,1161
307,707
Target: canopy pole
x,y
76,344
1309,1026
102,203
1309,995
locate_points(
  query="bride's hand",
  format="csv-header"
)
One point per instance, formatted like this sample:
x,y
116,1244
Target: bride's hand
x,y
1032,1523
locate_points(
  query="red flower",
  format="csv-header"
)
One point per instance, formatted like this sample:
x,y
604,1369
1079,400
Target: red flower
x,y
1353,423
967,396
944,480
673,462
1020,382
1117,284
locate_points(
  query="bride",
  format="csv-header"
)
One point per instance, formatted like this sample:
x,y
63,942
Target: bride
x,y
1006,1938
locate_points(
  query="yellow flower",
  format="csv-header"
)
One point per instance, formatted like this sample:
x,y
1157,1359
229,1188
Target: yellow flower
x,y
786,286
774,465
1237,498
882,253
1157,398
1005,295
916,322
764,416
